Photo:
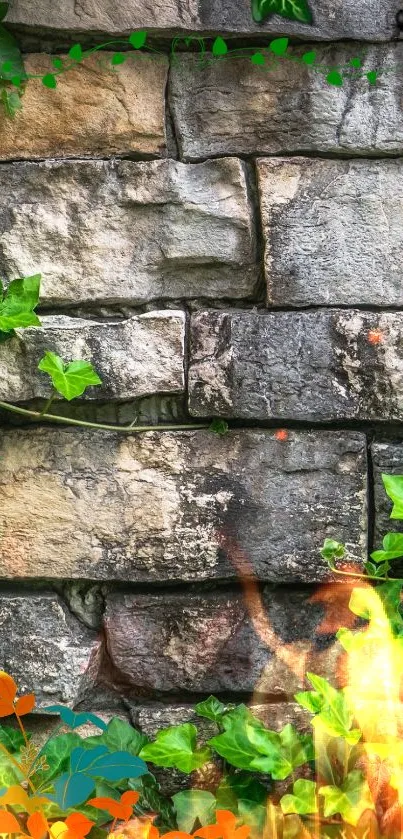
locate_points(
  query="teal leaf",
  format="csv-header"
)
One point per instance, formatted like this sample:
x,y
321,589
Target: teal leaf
x,y
70,790
69,379
75,720
101,763
138,39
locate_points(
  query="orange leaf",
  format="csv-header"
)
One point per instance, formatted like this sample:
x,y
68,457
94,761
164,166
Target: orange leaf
x,y
37,825
8,687
6,708
8,823
115,808
78,825
176,834
25,704
130,797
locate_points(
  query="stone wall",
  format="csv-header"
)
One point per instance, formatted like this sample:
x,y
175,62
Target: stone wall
x,y
220,243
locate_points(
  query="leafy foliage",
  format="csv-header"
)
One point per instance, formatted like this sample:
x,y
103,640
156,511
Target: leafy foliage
x,y
17,304
291,9
70,379
176,746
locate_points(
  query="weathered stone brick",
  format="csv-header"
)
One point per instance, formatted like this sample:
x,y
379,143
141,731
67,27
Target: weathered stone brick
x,y
374,22
128,232
234,107
135,357
314,366
45,649
92,112
333,231
156,507
218,641
387,458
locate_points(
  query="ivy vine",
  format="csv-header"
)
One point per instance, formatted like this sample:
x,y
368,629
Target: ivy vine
x,y
14,76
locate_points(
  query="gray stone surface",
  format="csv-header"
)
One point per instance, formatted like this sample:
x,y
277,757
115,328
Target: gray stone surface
x,y
186,643
375,21
333,231
312,366
387,458
119,231
45,649
234,107
135,357
155,507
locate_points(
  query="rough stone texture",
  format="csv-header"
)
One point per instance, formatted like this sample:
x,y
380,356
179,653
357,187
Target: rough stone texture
x,y
311,366
139,356
376,22
333,231
234,107
209,643
93,111
128,232
45,649
387,458
154,507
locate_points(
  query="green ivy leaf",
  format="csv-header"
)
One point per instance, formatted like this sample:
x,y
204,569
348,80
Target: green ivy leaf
x,y
119,736
57,63
212,709
69,379
11,738
138,39
49,80
18,303
76,52
394,489
194,805
219,47
176,746
302,800
234,744
279,46
11,100
291,9
372,76
118,58
281,753
350,800
152,800
334,78
392,548
335,716
4,7
355,62
311,700
309,57
10,55
258,58
332,550
246,797
219,426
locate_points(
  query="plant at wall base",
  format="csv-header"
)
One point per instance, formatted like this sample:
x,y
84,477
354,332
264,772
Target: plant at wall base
x,y
70,379
12,70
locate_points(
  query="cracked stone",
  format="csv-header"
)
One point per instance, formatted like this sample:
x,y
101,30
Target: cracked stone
x,y
93,111
87,505
134,358
233,107
309,366
124,232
